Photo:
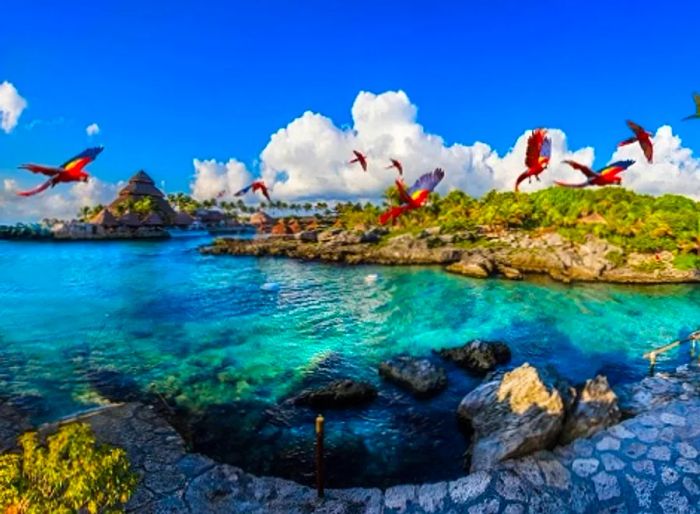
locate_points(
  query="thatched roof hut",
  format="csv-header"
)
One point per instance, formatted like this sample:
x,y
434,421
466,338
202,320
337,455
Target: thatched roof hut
x,y
182,219
593,219
261,218
153,220
210,216
139,187
104,218
130,220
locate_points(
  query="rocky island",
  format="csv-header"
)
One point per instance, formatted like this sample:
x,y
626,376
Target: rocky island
x,y
607,235
510,255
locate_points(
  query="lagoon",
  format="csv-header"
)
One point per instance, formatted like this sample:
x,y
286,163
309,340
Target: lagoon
x,y
82,321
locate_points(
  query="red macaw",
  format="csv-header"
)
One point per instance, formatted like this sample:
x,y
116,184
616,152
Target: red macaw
x,y
396,164
256,186
69,171
644,139
415,197
604,177
361,158
539,151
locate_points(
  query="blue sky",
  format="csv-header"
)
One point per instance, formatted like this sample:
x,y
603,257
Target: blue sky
x,y
173,81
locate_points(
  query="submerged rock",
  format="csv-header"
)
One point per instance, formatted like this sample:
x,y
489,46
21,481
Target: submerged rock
x,y
521,413
337,394
420,376
13,422
595,409
478,356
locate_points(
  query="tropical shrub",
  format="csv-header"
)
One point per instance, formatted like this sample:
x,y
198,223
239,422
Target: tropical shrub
x,y
635,222
68,473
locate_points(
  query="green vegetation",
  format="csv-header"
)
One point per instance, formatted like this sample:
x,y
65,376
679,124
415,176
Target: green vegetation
x,y
636,223
87,212
71,472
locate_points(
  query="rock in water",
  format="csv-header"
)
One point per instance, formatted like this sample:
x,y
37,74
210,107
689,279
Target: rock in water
x,y
420,376
478,356
339,393
475,265
521,413
595,409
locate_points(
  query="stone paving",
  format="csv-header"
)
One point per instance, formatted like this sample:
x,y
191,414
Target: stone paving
x,y
649,463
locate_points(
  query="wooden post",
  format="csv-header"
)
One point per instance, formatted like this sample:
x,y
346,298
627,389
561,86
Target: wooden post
x,y
319,456
652,363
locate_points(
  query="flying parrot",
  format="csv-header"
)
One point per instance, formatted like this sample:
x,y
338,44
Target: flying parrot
x,y
415,197
70,171
609,175
696,115
256,186
641,136
539,151
361,158
396,164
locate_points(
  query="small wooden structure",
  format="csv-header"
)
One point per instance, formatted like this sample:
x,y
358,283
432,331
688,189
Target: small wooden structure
x,y
130,220
105,218
651,356
153,220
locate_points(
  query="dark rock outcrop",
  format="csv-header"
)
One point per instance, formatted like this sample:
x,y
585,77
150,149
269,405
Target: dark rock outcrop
x,y
478,356
338,394
595,409
420,376
521,413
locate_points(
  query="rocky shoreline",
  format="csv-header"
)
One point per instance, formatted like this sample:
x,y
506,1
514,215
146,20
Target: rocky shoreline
x,y
648,462
510,255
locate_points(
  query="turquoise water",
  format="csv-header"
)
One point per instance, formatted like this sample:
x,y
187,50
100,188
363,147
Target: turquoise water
x,y
78,319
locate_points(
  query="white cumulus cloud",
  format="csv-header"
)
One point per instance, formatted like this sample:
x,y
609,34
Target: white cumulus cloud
x,y
674,169
308,159
212,178
11,106
93,129
62,202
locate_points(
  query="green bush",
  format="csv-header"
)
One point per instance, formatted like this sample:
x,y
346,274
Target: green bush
x,y
67,473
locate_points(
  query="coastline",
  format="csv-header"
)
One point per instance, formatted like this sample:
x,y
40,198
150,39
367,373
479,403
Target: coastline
x,y
645,462
511,255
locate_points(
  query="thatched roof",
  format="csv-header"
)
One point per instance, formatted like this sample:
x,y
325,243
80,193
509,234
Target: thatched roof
x,y
592,219
153,220
130,220
104,218
141,186
261,218
182,219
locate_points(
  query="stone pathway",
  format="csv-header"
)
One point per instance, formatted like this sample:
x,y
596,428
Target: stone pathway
x,y
649,463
